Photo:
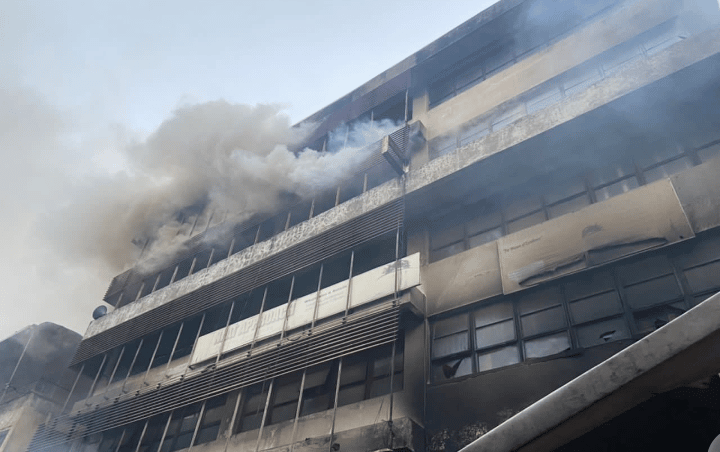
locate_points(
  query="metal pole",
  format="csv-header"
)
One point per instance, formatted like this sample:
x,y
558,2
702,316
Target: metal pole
x,y
112,376
67,400
100,369
230,250
287,309
172,352
164,433
152,358
197,424
233,419
132,364
142,436
340,360
172,278
264,417
259,321
227,325
122,438
17,365
197,336
335,404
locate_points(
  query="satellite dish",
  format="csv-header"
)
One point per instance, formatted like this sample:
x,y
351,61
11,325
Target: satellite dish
x,y
99,312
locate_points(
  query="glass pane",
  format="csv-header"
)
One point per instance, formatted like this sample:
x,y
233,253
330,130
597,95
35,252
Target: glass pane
x,y
498,358
653,292
351,394
353,372
587,284
450,344
525,222
612,172
521,205
617,188
539,299
485,237
658,154
602,332
571,205
667,169
485,218
207,434
495,334
493,313
282,413
542,321
704,277
443,237
450,325
382,386
564,189
644,269
548,345
451,369
447,251
595,307
315,403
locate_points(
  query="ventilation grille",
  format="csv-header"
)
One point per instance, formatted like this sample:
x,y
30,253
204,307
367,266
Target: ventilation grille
x,y
316,249
359,331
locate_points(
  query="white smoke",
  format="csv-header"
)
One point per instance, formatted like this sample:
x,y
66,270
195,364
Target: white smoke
x,y
216,158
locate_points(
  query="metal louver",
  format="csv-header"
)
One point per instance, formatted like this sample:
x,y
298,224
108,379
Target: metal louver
x,y
340,337
316,249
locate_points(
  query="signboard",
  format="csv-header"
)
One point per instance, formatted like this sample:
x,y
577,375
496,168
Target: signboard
x,y
364,288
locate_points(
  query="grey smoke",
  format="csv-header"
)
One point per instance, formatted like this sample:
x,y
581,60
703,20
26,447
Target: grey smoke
x,y
215,158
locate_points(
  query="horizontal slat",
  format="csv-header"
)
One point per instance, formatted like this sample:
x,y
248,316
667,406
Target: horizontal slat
x,y
341,337
316,249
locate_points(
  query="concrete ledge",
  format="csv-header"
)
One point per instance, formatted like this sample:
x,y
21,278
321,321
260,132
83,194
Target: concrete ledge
x,y
683,351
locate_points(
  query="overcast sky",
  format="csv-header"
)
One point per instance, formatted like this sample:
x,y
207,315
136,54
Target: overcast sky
x,y
82,82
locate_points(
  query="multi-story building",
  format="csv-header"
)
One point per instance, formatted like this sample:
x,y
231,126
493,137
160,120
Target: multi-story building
x,y
35,382
527,262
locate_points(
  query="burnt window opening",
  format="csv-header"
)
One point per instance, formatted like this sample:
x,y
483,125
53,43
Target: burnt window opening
x,y
488,220
623,302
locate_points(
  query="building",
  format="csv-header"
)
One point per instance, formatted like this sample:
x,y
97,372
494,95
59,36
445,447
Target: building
x,y
527,262
36,381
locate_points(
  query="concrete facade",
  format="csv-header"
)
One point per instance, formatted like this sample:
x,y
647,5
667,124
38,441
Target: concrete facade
x,y
556,219
35,381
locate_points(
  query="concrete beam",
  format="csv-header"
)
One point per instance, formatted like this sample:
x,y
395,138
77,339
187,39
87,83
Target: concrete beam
x,y
681,352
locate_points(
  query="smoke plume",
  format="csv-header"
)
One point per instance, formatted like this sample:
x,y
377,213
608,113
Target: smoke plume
x,y
216,158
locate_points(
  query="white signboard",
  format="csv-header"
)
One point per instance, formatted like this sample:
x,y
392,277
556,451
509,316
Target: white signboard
x,y
364,288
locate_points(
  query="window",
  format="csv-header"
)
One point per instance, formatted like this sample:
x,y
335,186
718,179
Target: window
x,y
628,300
212,419
181,428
